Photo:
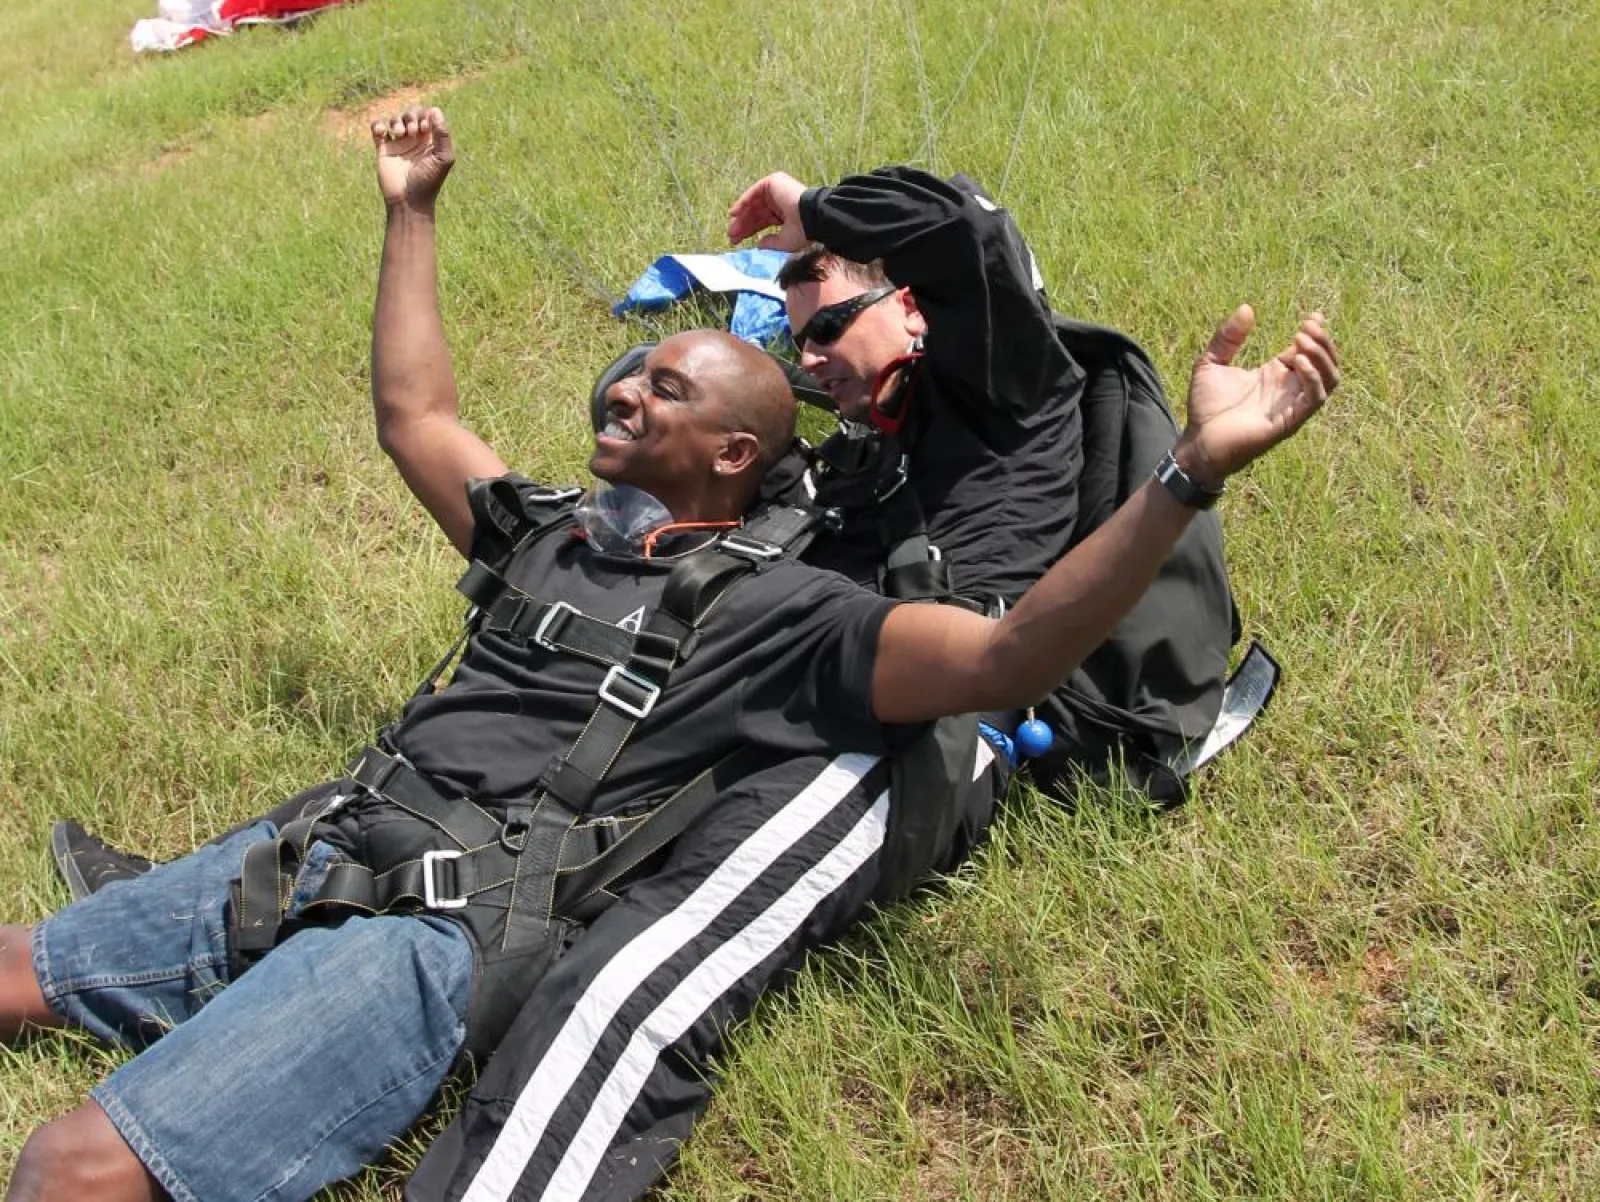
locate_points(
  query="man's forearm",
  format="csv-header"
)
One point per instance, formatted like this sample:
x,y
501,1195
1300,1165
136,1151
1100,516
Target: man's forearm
x,y
411,372
935,660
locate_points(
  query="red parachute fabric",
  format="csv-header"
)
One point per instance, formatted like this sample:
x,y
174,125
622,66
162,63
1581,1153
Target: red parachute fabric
x,y
185,22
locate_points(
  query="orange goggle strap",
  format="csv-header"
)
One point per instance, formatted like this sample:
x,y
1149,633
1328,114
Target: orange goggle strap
x,y
679,528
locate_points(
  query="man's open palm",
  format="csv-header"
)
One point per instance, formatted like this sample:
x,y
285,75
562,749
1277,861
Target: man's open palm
x,y
1237,414
415,153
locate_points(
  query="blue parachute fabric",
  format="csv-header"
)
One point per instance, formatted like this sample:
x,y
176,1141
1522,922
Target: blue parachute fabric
x,y
746,275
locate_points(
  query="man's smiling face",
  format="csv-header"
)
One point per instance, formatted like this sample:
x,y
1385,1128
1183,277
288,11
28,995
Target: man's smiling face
x,y
666,424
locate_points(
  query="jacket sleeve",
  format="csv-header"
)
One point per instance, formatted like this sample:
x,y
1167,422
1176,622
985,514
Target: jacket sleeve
x,y
965,262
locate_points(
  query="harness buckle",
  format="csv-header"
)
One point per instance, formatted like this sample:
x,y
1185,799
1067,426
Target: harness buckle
x,y
378,767
901,475
555,613
430,892
750,548
542,495
634,709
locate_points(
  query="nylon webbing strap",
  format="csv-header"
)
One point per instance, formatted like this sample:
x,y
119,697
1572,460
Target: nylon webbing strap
x,y
911,570
655,830
533,893
627,694
556,626
258,900
465,823
447,879
781,530
920,580
630,690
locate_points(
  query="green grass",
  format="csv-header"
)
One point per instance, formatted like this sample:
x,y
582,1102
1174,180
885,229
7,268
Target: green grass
x,y
1364,963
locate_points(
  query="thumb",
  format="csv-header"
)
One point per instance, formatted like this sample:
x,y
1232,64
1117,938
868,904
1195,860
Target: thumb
x,y
1230,336
773,242
443,145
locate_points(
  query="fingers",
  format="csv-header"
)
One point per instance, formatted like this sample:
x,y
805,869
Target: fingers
x,y
752,212
440,128
411,122
1312,344
772,200
742,225
1230,336
1314,387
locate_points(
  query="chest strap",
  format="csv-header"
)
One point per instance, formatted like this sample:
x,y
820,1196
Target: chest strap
x,y
667,637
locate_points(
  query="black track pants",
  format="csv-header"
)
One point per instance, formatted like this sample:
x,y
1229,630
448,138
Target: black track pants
x,y
607,1066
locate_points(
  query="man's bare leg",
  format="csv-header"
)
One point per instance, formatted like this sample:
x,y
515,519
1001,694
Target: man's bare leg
x,y
81,1155
22,1003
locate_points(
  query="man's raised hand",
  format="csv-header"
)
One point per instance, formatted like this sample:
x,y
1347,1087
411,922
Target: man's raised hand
x,y
772,201
1237,415
414,155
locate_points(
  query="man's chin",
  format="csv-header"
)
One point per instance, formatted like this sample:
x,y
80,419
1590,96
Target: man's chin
x,y
853,408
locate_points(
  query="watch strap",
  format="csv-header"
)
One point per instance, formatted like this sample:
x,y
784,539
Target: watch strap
x,y
1172,478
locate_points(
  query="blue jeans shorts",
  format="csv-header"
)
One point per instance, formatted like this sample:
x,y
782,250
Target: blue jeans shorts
x,y
295,1076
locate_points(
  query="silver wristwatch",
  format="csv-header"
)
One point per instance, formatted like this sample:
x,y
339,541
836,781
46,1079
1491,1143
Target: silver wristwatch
x,y
1172,478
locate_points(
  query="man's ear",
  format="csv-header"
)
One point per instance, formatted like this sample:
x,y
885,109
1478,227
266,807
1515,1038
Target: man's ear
x,y
740,449
916,323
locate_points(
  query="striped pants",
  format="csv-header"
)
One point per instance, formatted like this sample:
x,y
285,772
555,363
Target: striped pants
x,y
608,1064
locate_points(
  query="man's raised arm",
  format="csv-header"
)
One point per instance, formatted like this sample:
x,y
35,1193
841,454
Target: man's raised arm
x,y
965,262
935,659
413,386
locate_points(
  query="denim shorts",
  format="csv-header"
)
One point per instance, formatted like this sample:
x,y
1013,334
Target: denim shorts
x,y
294,1076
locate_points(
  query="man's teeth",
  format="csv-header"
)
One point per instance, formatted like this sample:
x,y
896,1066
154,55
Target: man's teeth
x,y
615,429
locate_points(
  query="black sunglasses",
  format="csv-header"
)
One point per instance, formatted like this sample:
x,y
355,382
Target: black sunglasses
x,y
828,324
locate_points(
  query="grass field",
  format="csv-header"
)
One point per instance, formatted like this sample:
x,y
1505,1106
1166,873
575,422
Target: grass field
x,y
1365,962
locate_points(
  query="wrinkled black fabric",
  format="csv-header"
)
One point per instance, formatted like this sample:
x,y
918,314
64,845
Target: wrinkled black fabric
x,y
993,425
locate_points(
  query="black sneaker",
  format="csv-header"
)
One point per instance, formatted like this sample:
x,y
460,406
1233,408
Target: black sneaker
x,y
87,863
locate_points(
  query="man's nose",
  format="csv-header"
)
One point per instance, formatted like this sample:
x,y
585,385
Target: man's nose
x,y
625,391
809,359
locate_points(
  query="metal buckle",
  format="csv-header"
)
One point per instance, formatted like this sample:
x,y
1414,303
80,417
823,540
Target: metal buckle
x,y
541,495
901,475
430,894
553,613
750,548
640,710
382,772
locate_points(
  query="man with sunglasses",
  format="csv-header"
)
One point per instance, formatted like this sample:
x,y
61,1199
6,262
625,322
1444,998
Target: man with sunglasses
x,y
918,307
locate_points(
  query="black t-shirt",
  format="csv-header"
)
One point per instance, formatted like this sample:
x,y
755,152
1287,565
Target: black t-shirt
x,y
993,431
784,661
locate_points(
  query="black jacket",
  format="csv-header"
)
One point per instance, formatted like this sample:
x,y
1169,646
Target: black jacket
x,y
1025,431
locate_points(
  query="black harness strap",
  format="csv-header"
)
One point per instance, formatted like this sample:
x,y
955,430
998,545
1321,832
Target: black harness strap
x,y
666,638
466,824
582,890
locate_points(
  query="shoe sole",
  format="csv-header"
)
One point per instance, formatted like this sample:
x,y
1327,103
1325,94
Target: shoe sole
x,y
67,863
